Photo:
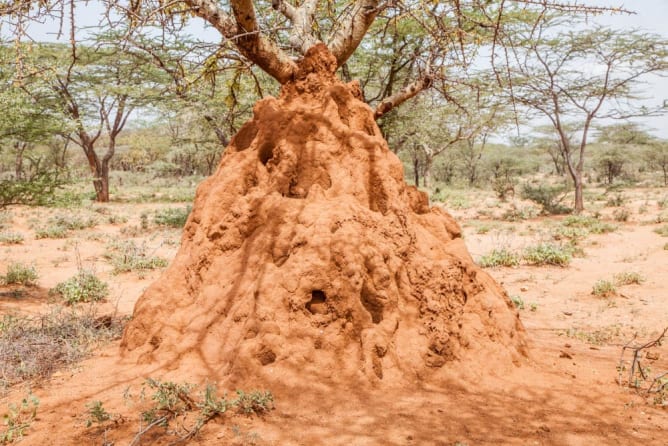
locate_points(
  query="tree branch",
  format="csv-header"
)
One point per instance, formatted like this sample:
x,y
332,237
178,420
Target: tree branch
x,y
354,26
245,33
403,95
302,18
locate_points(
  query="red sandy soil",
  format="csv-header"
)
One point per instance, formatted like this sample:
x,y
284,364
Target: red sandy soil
x,y
410,342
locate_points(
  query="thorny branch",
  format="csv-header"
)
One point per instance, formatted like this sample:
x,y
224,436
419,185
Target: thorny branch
x,y
636,366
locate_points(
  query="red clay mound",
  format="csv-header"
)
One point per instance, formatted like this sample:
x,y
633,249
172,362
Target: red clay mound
x,y
307,255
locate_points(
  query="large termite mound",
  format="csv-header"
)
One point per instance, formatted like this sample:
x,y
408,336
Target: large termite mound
x,y
307,256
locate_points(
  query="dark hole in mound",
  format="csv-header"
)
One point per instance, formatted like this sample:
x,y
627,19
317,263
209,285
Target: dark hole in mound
x,y
266,356
243,139
372,305
317,303
266,152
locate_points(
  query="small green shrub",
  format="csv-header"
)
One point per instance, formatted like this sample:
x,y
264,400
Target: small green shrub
x,y
127,257
547,197
517,300
604,288
254,402
51,232
84,287
621,214
117,219
662,231
96,413
595,337
518,213
615,201
547,254
574,234
38,190
11,238
73,222
172,401
628,278
499,257
20,274
18,419
591,224
173,217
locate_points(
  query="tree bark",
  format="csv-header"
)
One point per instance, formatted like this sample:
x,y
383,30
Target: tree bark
x,y
402,96
246,35
416,171
426,175
354,27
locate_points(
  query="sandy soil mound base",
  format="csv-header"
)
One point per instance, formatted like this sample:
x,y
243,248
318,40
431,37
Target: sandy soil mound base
x,y
307,256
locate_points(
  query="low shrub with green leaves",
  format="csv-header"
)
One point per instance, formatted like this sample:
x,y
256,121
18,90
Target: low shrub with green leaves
x,y
20,274
128,256
52,231
85,286
547,254
499,257
73,222
628,278
172,217
97,413
621,214
662,231
18,419
590,224
37,190
548,197
173,401
517,301
604,288
11,238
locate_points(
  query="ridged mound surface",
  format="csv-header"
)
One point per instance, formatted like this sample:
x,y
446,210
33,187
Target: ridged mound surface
x,y
307,256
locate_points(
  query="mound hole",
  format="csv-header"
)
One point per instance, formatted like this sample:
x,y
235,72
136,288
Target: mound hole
x,y
266,153
372,305
317,303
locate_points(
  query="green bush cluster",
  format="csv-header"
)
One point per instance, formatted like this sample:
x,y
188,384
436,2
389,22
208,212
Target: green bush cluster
x,y
83,287
127,257
499,257
590,224
20,274
547,197
604,288
11,238
173,217
547,254
61,225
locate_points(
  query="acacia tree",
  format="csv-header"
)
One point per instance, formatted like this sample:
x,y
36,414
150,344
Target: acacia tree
x,y
96,87
579,77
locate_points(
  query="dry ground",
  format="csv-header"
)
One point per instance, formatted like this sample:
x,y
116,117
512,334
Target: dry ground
x,y
566,393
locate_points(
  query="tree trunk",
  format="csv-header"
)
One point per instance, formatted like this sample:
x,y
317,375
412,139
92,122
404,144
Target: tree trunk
x,y
416,171
18,160
426,176
101,184
579,200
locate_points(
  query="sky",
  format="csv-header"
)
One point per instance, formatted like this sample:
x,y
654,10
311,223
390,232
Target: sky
x,y
651,15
